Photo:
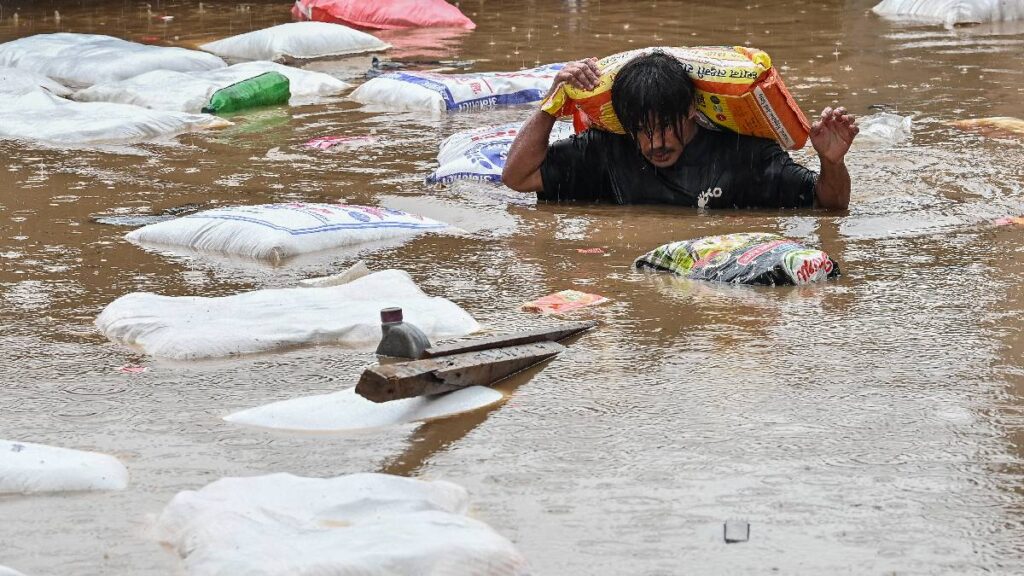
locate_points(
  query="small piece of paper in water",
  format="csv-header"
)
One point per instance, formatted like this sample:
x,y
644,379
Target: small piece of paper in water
x,y
327,142
1010,221
132,369
564,301
590,250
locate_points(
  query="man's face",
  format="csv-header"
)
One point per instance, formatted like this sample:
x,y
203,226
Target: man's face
x,y
662,147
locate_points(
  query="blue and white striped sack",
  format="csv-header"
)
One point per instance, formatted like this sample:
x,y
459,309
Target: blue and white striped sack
x,y
480,153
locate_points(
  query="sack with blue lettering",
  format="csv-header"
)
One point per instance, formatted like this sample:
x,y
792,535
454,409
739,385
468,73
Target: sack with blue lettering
x,y
746,258
456,92
480,153
276,232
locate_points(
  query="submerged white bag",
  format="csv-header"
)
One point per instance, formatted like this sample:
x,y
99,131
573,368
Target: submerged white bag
x,y
281,524
26,468
952,12
81,60
191,91
480,153
16,82
43,117
193,327
276,232
297,40
440,92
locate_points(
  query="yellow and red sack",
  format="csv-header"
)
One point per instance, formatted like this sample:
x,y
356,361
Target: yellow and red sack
x,y
736,88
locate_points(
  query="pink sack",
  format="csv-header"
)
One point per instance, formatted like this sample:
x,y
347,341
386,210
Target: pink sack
x,y
383,14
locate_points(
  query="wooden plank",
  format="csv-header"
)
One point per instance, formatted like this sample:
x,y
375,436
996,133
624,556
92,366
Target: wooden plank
x,y
549,334
447,373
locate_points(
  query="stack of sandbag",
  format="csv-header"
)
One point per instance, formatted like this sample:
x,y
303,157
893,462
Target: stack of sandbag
x,y
276,232
81,60
42,117
952,12
191,327
194,91
17,82
383,14
358,524
296,41
27,468
440,92
480,153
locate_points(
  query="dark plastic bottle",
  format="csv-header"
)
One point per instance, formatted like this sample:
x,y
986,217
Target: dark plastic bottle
x,y
400,339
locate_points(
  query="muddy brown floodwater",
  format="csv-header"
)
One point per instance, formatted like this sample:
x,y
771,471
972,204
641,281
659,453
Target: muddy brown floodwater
x,y
870,425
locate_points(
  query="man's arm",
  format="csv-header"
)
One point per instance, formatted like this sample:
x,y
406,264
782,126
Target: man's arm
x,y
831,137
522,167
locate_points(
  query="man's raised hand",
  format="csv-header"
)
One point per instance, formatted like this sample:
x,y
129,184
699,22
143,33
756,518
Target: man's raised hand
x,y
583,74
832,134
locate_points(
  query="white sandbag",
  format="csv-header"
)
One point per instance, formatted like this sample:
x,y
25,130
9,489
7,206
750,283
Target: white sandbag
x,y
191,91
43,117
276,232
480,153
346,410
440,92
192,327
26,468
296,40
883,129
16,82
952,12
81,60
361,524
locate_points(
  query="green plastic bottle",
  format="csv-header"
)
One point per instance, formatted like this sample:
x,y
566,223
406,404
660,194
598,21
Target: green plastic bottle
x,y
268,89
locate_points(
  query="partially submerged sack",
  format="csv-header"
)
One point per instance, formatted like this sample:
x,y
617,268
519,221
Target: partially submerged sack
x,y
480,153
383,14
279,231
43,117
737,89
26,468
17,82
296,40
440,92
81,60
192,327
952,12
746,258
192,91
997,126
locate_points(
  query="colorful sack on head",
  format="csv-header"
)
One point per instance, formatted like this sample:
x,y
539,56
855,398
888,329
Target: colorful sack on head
x,y
737,89
747,258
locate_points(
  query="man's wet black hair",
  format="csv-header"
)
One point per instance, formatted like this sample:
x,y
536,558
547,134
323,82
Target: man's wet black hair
x,y
653,87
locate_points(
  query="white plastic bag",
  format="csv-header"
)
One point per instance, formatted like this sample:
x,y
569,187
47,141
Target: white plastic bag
x,y
43,117
81,60
276,232
192,327
952,12
298,40
26,468
480,153
191,91
17,82
440,92
883,129
281,524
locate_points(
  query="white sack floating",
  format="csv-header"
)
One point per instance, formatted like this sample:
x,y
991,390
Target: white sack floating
x,y
296,40
17,82
347,411
441,92
27,468
191,91
81,60
275,232
281,524
193,327
480,153
43,117
883,129
952,12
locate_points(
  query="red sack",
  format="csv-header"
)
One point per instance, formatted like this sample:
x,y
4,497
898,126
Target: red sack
x,y
383,14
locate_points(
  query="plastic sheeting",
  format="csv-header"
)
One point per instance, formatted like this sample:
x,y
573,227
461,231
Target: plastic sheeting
x,y
193,327
952,12
275,232
384,14
348,411
883,129
17,82
297,40
440,92
40,116
26,468
190,92
358,524
81,60
480,153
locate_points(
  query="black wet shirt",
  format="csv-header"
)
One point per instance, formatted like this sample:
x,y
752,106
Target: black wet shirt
x,y
715,170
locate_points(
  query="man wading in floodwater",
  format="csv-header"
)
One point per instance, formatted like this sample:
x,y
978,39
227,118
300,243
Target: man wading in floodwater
x,y
679,162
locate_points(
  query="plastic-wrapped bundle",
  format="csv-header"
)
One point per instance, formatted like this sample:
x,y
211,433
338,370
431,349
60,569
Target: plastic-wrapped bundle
x,y
952,12
480,153
296,40
383,14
